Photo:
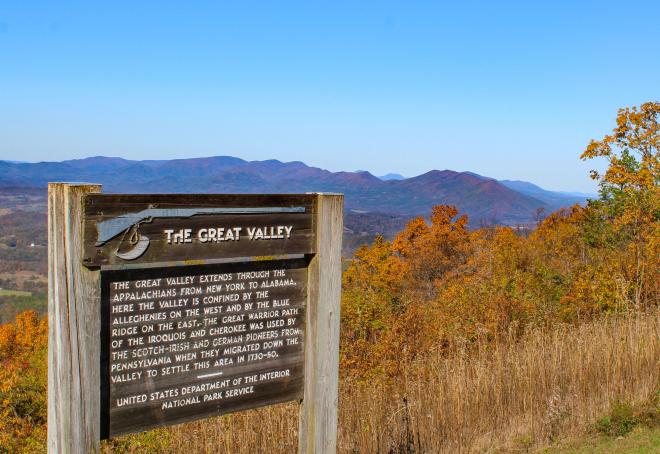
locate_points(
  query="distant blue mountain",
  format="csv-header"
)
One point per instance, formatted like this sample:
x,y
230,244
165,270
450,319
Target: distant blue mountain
x,y
554,199
484,199
392,176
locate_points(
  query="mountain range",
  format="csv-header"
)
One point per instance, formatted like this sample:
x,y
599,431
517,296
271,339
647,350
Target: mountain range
x,y
485,200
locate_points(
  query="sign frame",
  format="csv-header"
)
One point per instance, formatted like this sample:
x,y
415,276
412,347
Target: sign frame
x,y
74,308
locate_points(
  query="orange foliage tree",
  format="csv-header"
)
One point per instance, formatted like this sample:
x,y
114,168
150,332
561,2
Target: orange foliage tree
x,y
437,283
629,207
23,383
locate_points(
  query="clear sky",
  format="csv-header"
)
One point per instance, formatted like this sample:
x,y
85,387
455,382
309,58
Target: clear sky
x,y
505,89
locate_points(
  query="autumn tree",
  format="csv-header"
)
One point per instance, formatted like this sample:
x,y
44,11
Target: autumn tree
x,y
437,284
627,214
632,151
23,378
370,301
431,251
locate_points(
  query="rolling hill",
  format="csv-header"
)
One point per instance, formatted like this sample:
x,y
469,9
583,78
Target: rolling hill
x,y
484,199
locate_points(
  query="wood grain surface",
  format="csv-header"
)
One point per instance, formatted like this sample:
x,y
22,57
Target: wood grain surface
x,y
133,417
74,318
104,207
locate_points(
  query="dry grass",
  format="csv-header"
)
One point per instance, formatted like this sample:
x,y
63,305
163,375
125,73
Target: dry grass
x,y
513,396
506,396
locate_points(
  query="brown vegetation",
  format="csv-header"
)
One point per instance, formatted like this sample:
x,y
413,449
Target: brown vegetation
x,y
508,396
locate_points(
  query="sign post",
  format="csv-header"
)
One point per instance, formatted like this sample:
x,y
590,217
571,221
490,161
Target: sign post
x,y
318,413
170,308
74,323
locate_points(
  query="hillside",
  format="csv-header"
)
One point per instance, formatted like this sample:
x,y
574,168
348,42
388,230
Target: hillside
x,y
485,200
549,197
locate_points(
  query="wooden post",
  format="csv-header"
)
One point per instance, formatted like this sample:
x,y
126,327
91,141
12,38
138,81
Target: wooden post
x,y
318,411
73,327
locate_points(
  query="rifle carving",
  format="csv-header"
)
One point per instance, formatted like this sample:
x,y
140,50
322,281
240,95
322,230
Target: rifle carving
x,y
130,223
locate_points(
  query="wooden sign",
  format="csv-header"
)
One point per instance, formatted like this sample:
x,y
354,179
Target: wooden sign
x,y
136,229
188,342
169,308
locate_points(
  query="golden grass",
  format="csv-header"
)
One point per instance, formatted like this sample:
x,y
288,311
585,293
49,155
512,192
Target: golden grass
x,y
506,396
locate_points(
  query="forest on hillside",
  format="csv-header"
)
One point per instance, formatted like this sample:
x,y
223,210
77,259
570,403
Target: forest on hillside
x,y
455,339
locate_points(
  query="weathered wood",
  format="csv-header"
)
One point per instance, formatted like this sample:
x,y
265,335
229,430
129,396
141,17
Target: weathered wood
x,y
318,411
189,347
205,215
73,327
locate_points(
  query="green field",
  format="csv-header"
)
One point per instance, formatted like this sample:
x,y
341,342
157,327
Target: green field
x,y
642,440
5,292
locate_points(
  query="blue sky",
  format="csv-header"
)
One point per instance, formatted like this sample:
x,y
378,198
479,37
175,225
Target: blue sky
x,y
505,89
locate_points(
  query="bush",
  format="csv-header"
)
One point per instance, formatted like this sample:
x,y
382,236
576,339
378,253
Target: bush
x,y
619,422
623,418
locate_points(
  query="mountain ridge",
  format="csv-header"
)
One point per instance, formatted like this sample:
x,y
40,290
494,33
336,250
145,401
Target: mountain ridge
x,y
484,199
